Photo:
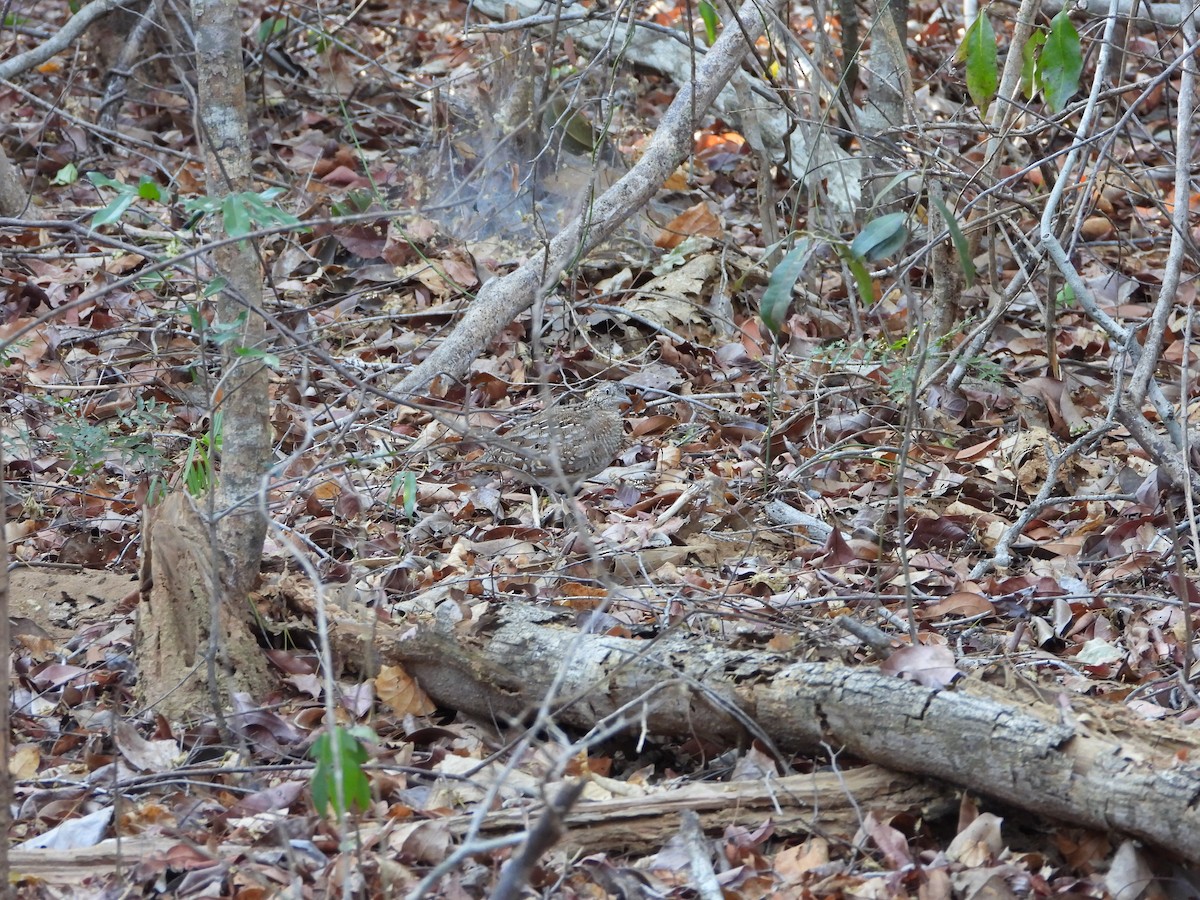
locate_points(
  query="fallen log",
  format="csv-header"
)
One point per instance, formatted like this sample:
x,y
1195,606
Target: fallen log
x,y
1040,749
828,803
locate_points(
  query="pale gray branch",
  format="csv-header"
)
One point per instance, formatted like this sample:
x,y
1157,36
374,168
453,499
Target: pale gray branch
x,y
76,25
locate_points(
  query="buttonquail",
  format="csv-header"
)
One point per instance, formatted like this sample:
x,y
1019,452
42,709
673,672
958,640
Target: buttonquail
x,y
571,440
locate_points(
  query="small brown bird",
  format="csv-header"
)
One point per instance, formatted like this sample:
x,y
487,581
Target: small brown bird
x,y
571,441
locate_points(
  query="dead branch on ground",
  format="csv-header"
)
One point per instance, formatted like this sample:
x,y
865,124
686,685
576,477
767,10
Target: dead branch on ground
x,y
1071,758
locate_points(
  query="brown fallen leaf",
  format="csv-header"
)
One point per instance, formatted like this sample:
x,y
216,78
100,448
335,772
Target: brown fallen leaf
x,y
397,689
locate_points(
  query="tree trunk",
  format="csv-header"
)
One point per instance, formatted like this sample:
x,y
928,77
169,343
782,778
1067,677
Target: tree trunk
x,y
13,195
208,608
6,780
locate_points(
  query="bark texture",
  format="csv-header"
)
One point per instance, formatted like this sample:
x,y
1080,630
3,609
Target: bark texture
x,y
1057,755
830,803
13,195
202,611
6,778
244,394
178,623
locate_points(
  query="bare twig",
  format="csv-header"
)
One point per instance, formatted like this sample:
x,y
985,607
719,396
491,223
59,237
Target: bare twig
x,y
699,855
541,839
75,26
1002,557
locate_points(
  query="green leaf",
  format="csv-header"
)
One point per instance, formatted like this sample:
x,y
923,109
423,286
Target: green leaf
x,y
318,41
960,242
980,52
222,333
149,189
881,237
1029,63
214,287
271,27
200,205
126,195
1060,63
901,179
99,179
196,319
236,216
68,174
270,360
778,295
409,494
862,278
708,13
243,212
579,136
358,200
346,772
153,281
197,471
114,210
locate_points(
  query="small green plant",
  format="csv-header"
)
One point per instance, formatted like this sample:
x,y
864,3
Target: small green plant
x,y
243,212
83,444
879,238
68,174
127,194
222,334
889,358
8,350
985,369
198,467
129,437
338,780
1052,62
404,489
776,299
359,200
271,28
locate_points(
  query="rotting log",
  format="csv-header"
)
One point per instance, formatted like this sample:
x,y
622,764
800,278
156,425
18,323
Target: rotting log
x,y
1051,753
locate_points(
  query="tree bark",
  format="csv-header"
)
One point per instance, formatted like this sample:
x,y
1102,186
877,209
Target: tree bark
x,y
244,394
13,196
1063,756
182,640
6,779
828,802
215,610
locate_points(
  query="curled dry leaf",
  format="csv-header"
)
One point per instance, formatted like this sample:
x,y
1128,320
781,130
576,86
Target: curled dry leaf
x,y
931,666
401,693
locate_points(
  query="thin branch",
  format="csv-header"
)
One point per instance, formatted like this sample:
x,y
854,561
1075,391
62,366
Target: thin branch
x,y
541,839
76,25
